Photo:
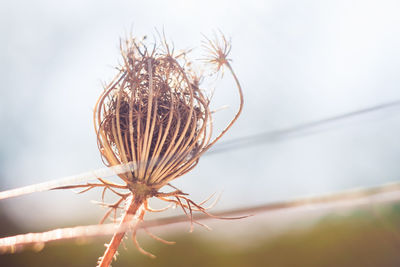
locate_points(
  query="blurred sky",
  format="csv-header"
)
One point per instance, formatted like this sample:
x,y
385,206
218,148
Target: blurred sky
x,y
298,61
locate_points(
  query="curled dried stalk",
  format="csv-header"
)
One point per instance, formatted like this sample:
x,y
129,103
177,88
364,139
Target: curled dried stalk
x,y
155,117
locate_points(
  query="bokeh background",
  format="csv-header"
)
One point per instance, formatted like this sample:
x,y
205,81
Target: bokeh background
x,y
298,61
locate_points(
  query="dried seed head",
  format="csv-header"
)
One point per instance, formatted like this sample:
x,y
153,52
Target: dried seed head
x,y
155,115
217,51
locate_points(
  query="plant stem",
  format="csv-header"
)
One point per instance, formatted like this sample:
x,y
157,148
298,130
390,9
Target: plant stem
x,y
112,247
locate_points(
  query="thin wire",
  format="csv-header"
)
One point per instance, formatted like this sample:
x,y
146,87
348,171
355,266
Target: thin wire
x,y
270,136
304,128
79,178
384,193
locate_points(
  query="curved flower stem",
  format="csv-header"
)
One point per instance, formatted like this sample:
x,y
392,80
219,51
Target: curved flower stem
x,y
112,247
237,113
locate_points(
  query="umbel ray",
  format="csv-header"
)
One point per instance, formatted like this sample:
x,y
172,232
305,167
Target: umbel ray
x,y
155,118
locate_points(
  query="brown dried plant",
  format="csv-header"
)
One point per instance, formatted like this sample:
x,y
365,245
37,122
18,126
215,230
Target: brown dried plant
x,y
154,117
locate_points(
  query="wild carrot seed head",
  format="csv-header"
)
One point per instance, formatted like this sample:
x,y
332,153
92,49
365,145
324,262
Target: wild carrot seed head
x,y
155,115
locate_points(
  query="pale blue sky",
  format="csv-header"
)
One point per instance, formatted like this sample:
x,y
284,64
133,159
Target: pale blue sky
x,y
298,61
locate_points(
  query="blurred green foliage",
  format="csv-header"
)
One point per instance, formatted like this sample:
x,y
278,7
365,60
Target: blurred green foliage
x,y
366,237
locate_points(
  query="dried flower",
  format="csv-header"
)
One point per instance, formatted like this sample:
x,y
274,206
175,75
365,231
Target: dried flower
x,y
155,117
